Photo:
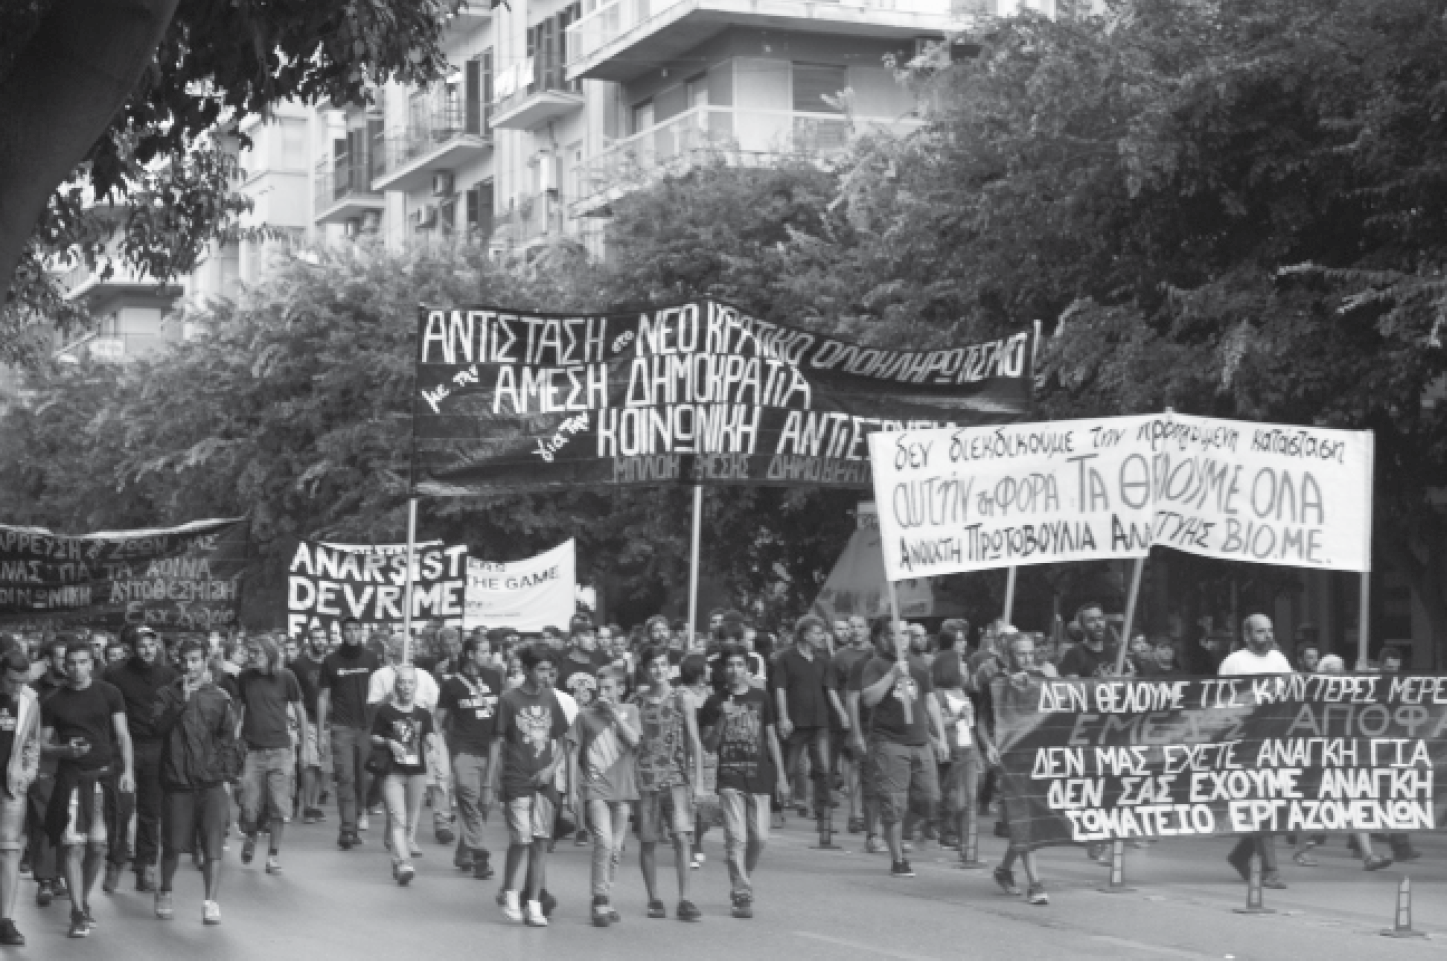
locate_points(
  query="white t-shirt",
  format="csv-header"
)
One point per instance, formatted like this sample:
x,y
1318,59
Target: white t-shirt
x,y
1245,663
379,688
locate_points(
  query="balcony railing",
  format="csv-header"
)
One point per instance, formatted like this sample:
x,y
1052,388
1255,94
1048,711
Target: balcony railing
x,y
429,131
535,218
612,20
340,178
742,138
81,278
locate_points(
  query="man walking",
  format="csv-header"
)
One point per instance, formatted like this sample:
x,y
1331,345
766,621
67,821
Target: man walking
x,y
44,861
739,727
268,692
194,719
1258,657
602,781
342,705
85,726
307,668
139,679
467,716
19,763
802,680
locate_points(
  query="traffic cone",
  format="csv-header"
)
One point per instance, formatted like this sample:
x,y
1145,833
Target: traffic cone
x,y
1403,927
1116,885
970,852
1254,905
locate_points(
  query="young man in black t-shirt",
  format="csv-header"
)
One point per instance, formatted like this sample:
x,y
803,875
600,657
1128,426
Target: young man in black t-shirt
x,y
269,693
84,727
739,726
802,681
342,703
466,717
579,666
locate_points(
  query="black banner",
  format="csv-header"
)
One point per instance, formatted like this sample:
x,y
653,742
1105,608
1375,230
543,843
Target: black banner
x,y
1092,760
182,578
695,393
330,581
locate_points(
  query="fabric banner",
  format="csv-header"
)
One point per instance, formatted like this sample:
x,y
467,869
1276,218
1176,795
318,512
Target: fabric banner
x,y
695,393
526,595
957,500
183,578
1092,760
331,581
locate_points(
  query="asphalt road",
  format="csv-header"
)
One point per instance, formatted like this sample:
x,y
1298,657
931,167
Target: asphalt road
x,y
810,904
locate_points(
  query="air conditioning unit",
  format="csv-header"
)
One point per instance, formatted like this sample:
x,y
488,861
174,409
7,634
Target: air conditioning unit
x,y
424,217
353,227
442,184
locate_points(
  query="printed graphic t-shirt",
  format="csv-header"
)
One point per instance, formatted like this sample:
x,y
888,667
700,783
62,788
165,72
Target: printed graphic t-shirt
x,y
744,763
528,724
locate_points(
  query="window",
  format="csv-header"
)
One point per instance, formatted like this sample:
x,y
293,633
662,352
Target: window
x,y
547,47
814,82
485,74
472,78
480,210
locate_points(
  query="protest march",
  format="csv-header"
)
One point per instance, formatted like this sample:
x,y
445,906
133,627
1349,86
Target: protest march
x,y
906,709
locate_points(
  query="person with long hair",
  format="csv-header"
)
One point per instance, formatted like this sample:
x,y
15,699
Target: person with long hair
x,y
407,731
267,690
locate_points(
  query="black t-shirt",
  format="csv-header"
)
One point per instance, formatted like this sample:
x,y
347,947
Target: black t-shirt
x,y
346,673
888,721
471,707
528,724
265,697
744,762
580,677
308,673
1081,661
410,729
804,682
85,713
9,720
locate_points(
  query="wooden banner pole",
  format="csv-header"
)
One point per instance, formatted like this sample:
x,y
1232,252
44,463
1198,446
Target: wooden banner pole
x,y
407,596
1009,613
1130,602
693,564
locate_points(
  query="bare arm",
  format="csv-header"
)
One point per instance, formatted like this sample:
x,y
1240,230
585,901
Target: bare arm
x,y
932,707
128,760
786,726
324,704
695,746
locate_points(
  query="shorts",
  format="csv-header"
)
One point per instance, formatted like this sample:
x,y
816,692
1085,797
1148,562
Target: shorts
x,y
530,818
665,812
902,772
96,833
12,821
186,813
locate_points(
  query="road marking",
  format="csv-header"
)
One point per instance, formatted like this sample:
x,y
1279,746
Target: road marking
x,y
1161,950
860,946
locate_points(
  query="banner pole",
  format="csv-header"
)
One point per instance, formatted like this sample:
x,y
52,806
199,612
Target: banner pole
x,y
407,596
1364,621
1009,596
901,653
1130,602
693,564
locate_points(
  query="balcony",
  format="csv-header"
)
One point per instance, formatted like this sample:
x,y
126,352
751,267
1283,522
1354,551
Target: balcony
x,y
624,39
344,189
537,219
439,139
527,99
741,138
114,348
81,281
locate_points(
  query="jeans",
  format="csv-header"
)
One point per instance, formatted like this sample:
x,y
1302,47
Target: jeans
x,y
42,853
351,746
608,824
145,804
402,793
266,786
961,777
746,831
469,774
816,740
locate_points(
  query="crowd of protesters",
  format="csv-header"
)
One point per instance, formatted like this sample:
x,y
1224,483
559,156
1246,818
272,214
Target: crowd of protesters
x,y
135,749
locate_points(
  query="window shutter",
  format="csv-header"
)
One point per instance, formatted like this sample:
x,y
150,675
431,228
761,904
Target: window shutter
x,y
485,71
813,82
472,81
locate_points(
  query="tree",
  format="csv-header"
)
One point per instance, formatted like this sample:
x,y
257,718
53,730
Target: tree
x,y
119,99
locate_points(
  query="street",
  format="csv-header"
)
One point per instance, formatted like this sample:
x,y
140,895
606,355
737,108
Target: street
x,y
842,905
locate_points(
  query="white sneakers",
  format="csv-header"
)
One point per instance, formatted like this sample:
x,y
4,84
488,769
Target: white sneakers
x,y
511,909
535,916
362,823
210,912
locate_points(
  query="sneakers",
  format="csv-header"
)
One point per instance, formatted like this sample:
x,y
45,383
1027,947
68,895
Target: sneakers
x,y
1005,878
696,862
44,895
873,845
656,910
248,849
602,912
9,934
112,878
1037,894
511,909
443,834
549,903
210,913
79,924
900,869
405,874
580,838
59,889
535,916
1274,882
855,826
362,823
907,846
743,908
344,841
687,911
165,906
313,815
146,879
481,866
1377,863
462,860
273,864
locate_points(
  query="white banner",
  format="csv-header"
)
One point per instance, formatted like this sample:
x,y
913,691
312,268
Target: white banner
x,y
526,595
958,500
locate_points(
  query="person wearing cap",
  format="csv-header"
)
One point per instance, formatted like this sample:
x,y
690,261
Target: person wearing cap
x,y
578,669
139,679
